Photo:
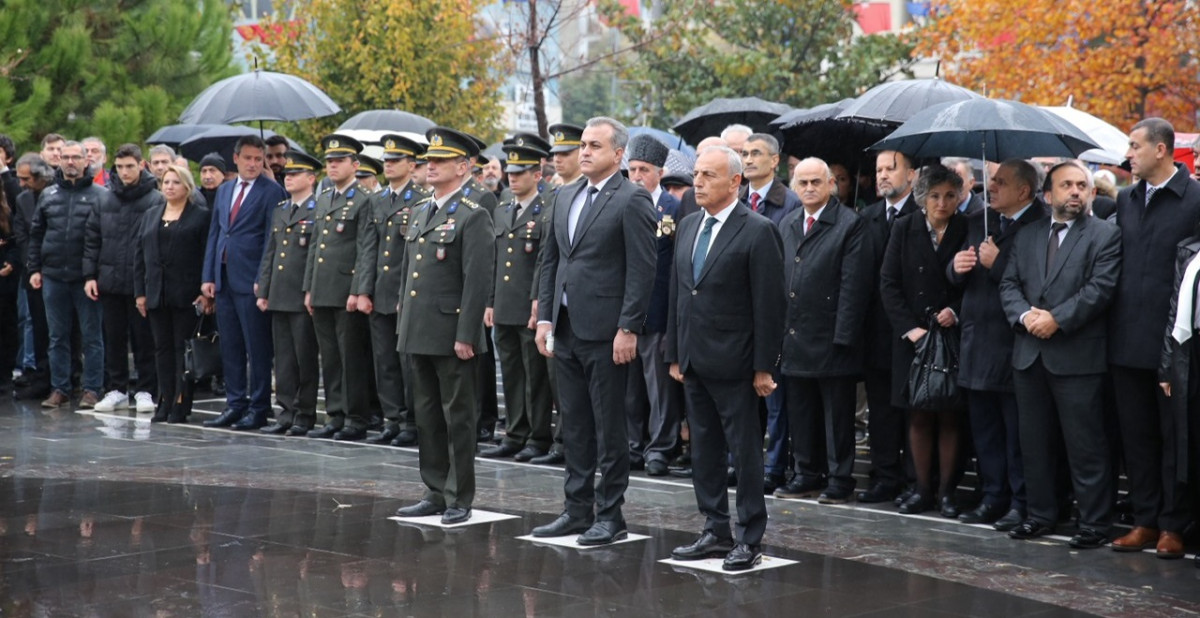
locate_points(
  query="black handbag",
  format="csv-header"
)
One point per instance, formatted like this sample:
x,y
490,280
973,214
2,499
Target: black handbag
x,y
202,352
933,376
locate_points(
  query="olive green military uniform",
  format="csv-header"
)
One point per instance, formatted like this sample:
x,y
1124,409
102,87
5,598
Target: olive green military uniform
x,y
524,371
281,283
393,216
341,263
448,276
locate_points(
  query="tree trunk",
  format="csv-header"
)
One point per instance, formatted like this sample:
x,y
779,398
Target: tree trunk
x,y
535,70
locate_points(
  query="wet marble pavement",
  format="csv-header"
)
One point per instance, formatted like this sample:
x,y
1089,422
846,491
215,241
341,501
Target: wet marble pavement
x,y
106,515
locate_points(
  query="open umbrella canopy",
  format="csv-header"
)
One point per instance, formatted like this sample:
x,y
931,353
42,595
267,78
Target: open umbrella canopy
x,y
175,134
818,132
670,141
221,140
709,119
895,102
258,95
1113,141
989,129
390,120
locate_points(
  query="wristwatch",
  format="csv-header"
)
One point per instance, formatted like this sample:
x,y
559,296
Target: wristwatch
x,y
626,331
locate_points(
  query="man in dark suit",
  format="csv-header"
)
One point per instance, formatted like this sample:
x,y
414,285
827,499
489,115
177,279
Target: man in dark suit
x,y
985,355
392,218
241,222
448,269
599,260
520,225
280,291
829,284
1154,215
654,402
971,201
894,178
1056,292
723,342
339,282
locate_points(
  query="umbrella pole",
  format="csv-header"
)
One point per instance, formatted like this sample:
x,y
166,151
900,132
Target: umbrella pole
x,y
986,203
262,134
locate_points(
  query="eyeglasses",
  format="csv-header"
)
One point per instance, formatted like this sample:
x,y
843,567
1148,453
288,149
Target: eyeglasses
x,y
72,157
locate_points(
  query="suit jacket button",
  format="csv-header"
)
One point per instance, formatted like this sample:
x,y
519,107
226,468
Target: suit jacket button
x,y
413,293
285,242
387,254
791,294
510,250
385,267
418,256
506,277
791,331
695,292
512,236
508,264
321,259
797,259
416,275
282,255
281,267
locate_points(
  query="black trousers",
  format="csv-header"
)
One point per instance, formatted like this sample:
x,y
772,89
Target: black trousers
x,y
1147,431
591,391
343,338
444,398
296,367
821,419
526,381
125,329
997,438
390,381
41,330
723,419
1049,408
171,327
489,410
10,336
890,461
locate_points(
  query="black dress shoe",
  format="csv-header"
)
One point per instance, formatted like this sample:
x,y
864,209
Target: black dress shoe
x,y
950,508
1011,519
904,496
350,434
1029,529
275,429
405,438
529,453
603,533
325,432
771,482
708,545
835,495
227,419
160,416
386,436
637,465
485,435
916,503
423,508
250,422
500,450
299,430
983,514
683,473
563,526
656,467
553,458
178,416
1088,538
742,557
800,488
455,515
879,492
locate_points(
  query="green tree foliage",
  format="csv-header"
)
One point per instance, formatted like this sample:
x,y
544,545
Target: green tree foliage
x,y
420,56
118,69
799,52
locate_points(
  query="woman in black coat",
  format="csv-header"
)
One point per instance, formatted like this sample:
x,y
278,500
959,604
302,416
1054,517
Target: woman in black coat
x,y
914,287
168,263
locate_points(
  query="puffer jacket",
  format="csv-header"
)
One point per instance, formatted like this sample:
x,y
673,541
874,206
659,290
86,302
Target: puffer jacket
x,y
64,242
119,222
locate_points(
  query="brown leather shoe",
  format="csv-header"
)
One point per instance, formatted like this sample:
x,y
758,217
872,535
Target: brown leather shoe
x,y
1170,545
1138,539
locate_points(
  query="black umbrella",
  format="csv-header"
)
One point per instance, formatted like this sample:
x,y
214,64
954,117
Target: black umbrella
x,y
221,140
259,95
709,119
174,134
818,132
895,102
388,120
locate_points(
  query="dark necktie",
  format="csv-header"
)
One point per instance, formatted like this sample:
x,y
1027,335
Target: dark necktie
x,y
891,214
1004,223
1052,244
754,197
1150,191
587,205
702,247
237,203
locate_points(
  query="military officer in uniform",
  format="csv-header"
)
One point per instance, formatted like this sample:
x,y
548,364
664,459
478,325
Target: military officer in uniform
x,y
393,216
338,283
280,291
448,269
368,173
524,371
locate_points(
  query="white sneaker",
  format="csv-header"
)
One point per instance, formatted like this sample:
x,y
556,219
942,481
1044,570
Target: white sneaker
x,y
114,400
145,403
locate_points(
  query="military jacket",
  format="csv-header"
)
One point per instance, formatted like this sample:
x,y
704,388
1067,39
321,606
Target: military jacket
x,y
281,274
476,192
448,266
393,213
341,256
518,242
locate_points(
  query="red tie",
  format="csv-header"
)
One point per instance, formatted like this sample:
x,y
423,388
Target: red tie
x,y
237,203
808,224
754,197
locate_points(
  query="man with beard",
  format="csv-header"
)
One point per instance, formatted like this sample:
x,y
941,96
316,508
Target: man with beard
x,y
277,147
212,174
35,175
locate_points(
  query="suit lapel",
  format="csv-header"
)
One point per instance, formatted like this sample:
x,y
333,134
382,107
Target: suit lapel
x,y
562,212
729,229
687,239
